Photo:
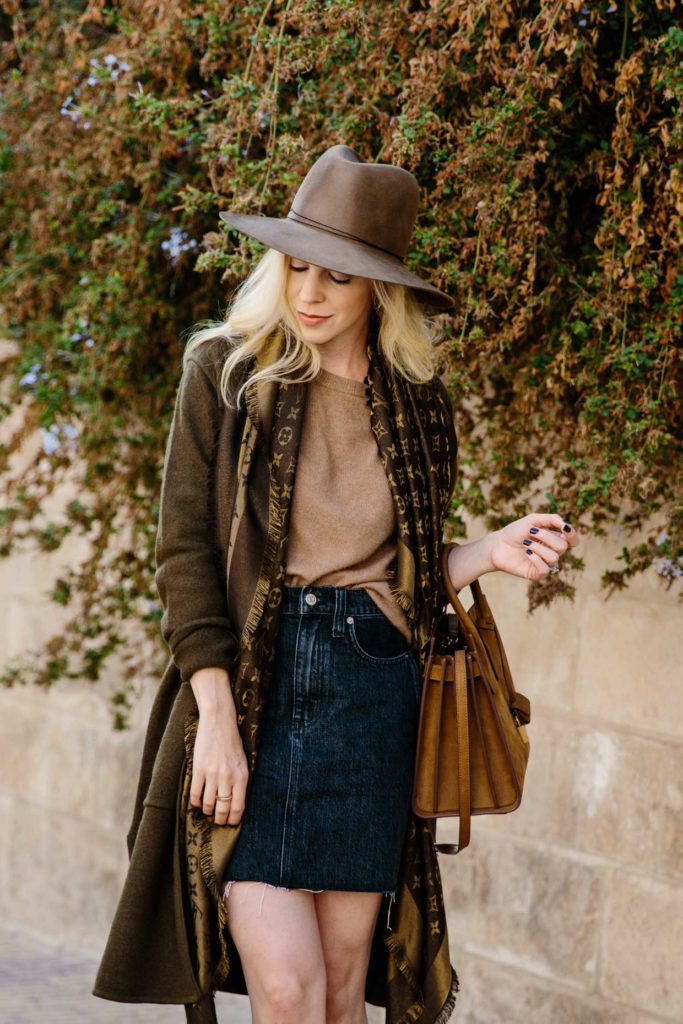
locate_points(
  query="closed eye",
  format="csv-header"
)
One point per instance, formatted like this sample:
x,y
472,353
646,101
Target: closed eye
x,y
337,280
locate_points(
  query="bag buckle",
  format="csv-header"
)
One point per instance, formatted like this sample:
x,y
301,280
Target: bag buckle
x,y
447,633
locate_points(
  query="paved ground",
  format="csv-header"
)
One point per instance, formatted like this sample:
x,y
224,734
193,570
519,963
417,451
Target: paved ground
x,y
51,985
46,984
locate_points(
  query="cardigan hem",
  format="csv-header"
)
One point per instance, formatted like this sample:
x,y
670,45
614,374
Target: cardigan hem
x,y
153,997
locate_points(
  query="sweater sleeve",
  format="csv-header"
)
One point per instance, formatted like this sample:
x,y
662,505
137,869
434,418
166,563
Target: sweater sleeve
x,y
195,623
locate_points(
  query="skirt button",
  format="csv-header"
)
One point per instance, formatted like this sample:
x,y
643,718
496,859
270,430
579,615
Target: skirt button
x,y
310,599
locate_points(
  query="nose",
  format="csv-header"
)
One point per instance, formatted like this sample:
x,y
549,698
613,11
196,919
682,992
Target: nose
x,y
311,288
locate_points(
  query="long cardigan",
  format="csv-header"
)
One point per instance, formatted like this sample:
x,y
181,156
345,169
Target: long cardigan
x,y
148,955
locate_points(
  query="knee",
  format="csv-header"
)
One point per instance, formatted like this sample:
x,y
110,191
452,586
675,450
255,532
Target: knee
x,y
345,988
288,995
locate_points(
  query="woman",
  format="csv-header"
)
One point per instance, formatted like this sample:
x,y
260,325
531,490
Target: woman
x,y
296,619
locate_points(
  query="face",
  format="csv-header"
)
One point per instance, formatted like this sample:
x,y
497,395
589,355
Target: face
x,y
339,304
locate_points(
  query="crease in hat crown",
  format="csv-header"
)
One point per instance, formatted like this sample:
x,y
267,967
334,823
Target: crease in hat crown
x,y
371,203
350,215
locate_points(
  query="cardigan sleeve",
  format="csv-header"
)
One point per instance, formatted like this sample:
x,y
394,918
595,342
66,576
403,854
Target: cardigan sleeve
x,y
195,623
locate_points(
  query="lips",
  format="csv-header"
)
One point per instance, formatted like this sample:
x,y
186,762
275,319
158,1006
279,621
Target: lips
x,y
311,318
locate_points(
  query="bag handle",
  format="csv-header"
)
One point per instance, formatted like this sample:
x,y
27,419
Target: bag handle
x,y
459,663
517,701
469,628
460,673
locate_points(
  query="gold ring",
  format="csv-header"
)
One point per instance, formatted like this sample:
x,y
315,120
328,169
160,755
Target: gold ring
x,y
228,797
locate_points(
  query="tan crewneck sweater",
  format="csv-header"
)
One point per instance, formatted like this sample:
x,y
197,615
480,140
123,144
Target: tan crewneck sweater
x,y
343,523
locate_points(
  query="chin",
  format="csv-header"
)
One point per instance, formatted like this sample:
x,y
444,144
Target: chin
x,y
315,334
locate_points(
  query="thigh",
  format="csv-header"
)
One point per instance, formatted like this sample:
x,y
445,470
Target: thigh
x,y
346,921
276,934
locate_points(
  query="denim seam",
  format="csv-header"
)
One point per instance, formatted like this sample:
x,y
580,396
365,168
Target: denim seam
x,y
291,748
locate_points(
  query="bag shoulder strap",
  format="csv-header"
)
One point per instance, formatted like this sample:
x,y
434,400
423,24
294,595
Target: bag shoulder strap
x,y
471,630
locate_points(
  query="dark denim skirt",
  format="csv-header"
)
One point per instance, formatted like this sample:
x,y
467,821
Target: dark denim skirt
x,y
328,803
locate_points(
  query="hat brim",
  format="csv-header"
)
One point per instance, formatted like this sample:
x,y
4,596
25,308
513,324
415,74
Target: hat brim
x,y
334,252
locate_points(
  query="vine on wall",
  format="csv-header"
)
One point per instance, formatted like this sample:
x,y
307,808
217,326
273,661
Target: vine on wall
x,y
547,138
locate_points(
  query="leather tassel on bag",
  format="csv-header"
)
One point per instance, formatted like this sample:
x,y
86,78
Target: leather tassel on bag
x,y
472,747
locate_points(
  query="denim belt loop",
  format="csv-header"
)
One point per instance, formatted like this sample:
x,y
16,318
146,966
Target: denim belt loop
x,y
338,626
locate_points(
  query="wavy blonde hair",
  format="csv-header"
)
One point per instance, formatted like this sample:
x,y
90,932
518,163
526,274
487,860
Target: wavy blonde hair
x,y
260,306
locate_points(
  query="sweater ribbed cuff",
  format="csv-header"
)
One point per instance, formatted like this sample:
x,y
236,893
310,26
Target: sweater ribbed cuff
x,y
206,647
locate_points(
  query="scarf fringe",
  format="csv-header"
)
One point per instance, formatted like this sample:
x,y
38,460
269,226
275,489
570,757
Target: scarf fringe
x,y
250,439
403,599
263,586
271,548
413,1014
222,968
416,1008
204,827
401,961
446,1011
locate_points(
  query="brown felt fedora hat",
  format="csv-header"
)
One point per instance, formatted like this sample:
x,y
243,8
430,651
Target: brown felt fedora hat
x,y
352,216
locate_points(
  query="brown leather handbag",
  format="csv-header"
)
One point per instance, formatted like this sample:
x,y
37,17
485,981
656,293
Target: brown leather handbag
x,y
472,746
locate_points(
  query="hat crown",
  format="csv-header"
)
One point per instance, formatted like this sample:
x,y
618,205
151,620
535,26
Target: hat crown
x,y
349,215
374,203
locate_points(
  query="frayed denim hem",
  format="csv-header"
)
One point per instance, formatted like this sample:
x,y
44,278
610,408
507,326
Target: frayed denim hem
x,y
391,893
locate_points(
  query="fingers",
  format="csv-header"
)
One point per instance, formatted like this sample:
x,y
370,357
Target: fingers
x,y
546,543
544,549
196,786
219,772
541,557
210,793
237,803
548,537
223,806
229,811
203,791
554,526
224,799
538,568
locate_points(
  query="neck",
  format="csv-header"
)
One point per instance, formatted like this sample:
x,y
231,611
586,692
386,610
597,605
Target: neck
x,y
347,358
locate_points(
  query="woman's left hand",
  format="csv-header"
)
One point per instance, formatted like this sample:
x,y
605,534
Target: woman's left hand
x,y
530,546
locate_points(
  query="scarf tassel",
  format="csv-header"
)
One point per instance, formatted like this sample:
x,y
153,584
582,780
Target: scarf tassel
x,y
448,1007
415,1011
204,825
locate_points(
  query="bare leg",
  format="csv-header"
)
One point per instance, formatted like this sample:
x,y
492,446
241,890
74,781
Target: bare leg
x,y
346,921
276,934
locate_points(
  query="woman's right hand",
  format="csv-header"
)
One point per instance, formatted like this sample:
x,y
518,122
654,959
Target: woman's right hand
x,y
219,765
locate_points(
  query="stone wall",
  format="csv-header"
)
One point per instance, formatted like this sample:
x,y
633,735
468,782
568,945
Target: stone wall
x,y
569,910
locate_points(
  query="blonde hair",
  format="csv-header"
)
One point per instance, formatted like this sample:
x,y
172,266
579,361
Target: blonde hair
x,y
260,307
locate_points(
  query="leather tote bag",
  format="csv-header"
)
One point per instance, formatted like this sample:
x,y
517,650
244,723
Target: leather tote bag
x,y
472,745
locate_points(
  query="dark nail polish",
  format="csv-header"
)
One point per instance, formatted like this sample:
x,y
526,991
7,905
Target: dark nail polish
x,y
566,528
528,551
533,529
526,541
